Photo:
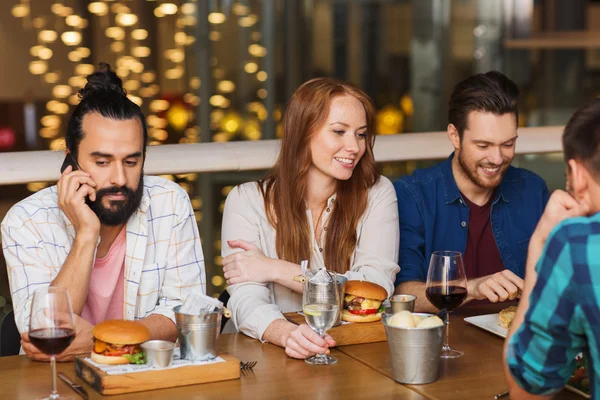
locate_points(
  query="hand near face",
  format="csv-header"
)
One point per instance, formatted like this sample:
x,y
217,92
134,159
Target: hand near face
x,y
501,286
82,344
73,187
561,206
250,265
303,342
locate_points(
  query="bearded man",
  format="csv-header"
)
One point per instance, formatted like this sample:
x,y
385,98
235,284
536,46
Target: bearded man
x,y
474,202
125,245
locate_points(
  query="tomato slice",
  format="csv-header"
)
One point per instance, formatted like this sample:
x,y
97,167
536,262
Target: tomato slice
x,y
363,312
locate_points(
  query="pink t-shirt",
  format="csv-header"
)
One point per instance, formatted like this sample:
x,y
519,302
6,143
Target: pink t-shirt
x,y
106,291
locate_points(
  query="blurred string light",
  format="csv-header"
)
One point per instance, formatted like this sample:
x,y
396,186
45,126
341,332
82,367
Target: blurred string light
x,y
261,76
406,104
126,19
226,87
38,67
178,116
251,67
216,18
47,36
71,38
52,77
61,91
389,120
257,50
98,8
249,21
139,34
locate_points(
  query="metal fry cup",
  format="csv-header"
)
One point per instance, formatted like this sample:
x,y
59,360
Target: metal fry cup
x,y
159,353
401,302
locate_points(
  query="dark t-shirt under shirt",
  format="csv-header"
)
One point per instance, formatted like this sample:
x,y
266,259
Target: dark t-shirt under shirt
x,y
481,254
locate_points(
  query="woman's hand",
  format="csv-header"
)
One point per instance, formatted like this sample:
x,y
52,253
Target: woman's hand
x,y
303,342
250,265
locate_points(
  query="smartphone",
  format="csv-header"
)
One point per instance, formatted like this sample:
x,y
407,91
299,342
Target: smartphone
x,y
69,160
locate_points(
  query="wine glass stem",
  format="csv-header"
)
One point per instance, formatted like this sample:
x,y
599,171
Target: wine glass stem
x,y
322,334
54,394
447,335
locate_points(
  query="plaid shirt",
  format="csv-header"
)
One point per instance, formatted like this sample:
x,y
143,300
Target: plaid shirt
x,y
563,318
163,260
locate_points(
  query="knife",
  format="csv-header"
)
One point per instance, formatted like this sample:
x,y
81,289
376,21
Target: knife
x,y
78,388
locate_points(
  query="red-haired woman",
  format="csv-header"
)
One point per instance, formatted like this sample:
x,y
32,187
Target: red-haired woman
x,y
323,201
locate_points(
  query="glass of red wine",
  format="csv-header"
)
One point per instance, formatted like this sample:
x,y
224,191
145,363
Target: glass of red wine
x,y
51,326
446,288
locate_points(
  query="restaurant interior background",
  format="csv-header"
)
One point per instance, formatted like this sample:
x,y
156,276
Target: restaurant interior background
x,y
222,70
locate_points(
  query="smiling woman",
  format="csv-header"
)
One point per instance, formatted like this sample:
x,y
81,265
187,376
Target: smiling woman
x,y
323,201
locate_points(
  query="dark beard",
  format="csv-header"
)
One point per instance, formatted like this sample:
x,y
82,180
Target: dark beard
x,y
120,211
474,177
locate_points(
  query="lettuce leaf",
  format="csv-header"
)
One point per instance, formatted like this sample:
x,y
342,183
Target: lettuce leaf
x,y
139,358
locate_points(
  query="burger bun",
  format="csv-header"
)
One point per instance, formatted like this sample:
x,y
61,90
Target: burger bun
x,y
121,332
368,290
348,317
113,360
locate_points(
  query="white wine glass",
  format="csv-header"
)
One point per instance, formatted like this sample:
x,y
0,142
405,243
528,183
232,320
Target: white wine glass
x,y
321,306
51,326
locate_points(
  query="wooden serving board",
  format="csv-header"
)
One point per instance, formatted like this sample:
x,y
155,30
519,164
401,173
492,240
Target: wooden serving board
x,y
157,379
352,333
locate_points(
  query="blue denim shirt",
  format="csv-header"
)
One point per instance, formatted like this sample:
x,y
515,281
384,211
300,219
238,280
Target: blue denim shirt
x,y
434,216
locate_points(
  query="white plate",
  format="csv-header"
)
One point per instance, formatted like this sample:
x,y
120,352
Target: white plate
x,y
488,322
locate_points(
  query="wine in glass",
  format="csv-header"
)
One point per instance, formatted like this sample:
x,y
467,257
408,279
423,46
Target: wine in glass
x,y
446,288
321,306
51,326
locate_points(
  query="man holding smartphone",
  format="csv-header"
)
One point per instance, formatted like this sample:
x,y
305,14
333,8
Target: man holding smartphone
x,y
125,245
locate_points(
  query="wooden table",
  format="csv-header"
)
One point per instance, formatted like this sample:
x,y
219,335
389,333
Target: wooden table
x,y
274,377
477,374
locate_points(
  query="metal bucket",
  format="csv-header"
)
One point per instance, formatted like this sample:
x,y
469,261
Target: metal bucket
x,y
198,334
415,352
341,288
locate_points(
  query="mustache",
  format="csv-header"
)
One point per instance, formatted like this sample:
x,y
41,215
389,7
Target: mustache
x,y
122,190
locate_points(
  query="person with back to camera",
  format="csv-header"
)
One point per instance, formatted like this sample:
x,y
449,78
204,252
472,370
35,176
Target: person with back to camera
x,y
323,201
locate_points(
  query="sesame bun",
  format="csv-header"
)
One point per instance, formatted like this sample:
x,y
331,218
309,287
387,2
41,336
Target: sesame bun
x,y
366,289
121,332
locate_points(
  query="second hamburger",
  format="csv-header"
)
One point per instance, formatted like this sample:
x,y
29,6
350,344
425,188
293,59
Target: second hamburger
x,y
362,301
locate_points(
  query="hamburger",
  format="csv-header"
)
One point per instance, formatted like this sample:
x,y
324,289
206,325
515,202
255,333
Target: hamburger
x,y
118,342
506,316
362,302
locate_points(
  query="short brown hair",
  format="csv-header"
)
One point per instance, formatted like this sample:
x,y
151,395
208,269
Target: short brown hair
x,y
491,92
581,138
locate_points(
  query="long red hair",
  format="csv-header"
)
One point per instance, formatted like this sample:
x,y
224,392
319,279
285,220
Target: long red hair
x,y
285,187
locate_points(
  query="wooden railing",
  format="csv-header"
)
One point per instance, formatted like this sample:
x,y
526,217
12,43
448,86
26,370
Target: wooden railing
x,y
43,166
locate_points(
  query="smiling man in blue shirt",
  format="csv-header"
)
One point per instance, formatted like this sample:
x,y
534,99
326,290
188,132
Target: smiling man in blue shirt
x,y
474,202
559,313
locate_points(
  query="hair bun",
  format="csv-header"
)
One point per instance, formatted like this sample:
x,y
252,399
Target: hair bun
x,y
103,82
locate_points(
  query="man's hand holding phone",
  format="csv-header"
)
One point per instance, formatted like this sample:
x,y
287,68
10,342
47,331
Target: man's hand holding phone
x,y
73,187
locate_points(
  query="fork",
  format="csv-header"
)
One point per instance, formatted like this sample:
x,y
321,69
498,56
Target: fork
x,y
247,365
